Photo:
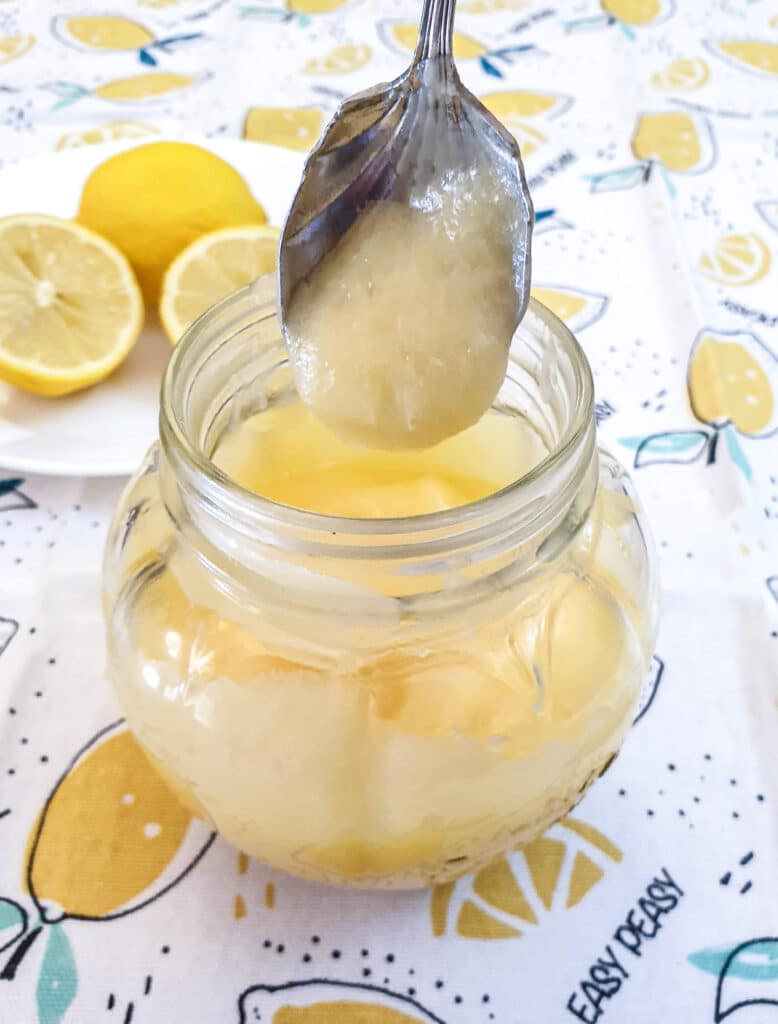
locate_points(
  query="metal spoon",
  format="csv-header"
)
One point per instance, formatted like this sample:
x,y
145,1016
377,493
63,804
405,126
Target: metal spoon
x,y
391,142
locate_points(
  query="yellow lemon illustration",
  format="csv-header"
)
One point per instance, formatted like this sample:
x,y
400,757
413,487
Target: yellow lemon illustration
x,y
343,60
111,131
733,378
684,75
112,836
290,127
329,1002
637,12
513,109
577,308
106,32
681,142
748,54
147,87
316,6
402,38
558,869
738,259
12,47
174,189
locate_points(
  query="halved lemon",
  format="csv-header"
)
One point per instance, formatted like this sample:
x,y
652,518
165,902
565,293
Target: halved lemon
x,y
736,260
211,267
70,306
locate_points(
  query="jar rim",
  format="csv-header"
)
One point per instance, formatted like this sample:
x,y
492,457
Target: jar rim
x,y
224,493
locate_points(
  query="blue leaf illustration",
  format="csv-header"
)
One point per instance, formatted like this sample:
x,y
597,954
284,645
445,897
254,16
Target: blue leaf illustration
x,y
613,181
736,452
11,497
680,446
13,922
489,68
58,980
628,32
587,24
6,486
147,58
508,52
631,442
772,586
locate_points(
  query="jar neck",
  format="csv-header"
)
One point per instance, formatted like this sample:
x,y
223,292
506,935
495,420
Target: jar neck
x,y
232,364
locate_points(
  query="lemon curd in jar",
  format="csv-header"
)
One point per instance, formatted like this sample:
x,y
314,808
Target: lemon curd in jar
x,y
376,668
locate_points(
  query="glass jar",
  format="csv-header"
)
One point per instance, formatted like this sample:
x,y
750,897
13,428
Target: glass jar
x,y
376,702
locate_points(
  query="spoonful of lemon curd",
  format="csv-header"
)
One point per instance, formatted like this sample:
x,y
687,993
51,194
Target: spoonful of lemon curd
x,y
404,265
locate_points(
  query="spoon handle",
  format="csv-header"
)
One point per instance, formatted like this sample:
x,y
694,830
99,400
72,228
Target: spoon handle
x,y
436,32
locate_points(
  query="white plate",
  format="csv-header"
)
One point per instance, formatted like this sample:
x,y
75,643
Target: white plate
x,y
105,430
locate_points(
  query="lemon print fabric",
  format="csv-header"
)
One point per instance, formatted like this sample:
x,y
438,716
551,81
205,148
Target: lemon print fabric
x,y
681,142
342,60
514,893
490,6
187,192
522,113
754,55
102,32
401,37
768,211
670,142
13,47
107,33
289,127
110,131
330,1002
683,75
143,90
736,260
318,6
112,836
638,12
578,309
733,379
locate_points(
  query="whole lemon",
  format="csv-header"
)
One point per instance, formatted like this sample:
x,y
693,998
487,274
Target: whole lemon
x,y
153,200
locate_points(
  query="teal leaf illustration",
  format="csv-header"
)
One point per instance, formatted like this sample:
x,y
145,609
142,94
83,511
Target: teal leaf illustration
x,y
628,32
631,442
616,181
147,58
736,452
672,191
13,922
679,446
756,960
587,24
58,980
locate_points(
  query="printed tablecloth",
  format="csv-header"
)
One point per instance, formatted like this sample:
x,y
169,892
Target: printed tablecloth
x,y
650,133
